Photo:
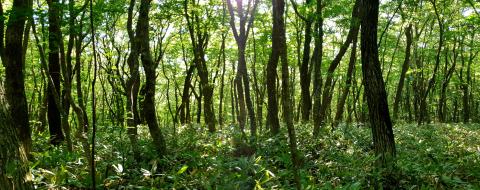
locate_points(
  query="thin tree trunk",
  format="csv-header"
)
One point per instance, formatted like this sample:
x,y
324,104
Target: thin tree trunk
x,y
94,100
431,82
348,84
328,87
317,59
405,66
222,85
272,110
305,75
448,73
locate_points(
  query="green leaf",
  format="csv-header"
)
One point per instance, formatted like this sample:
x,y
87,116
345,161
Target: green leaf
x,y
183,169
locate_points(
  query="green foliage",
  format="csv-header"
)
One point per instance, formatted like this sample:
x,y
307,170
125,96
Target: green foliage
x,y
443,156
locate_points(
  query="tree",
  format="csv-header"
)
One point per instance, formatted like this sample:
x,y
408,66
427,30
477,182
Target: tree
x,y
150,73
54,106
348,83
272,110
328,86
279,51
133,82
405,66
381,124
241,37
431,82
199,37
317,60
14,65
305,74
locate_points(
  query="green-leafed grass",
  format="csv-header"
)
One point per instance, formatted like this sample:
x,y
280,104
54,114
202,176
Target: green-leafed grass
x,y
440,156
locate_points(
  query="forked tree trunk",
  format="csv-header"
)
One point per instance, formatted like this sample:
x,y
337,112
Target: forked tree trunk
x,y
329,83
199,37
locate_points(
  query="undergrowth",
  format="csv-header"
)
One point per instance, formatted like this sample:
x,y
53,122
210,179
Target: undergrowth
x,y
440,156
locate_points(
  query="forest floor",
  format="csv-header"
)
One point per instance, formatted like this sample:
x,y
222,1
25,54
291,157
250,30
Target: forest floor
x,y
439,156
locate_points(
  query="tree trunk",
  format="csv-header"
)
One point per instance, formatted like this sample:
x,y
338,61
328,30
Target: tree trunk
x,y
465,84
405,66
241,37
184,107
54,115
317,59
431,82
348,84
132,84
199,37
222,85
272,110
305,75
14,170
142,34
448,73
258,86
278,35
14,75
328,87
381,125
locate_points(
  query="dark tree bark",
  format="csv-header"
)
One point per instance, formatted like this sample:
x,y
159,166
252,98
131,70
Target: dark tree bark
x,y
150,74
317,60
381,125
54,115
272,110
258,85
184,107
222,84
14,65
278,33
80,36
94,99
14,170
66,70
305,75
405,66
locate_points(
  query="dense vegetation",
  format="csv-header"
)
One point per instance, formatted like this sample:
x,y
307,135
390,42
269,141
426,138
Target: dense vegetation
x,y
245,94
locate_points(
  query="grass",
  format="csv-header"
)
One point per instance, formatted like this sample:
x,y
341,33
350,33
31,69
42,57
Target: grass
x,y
439,156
